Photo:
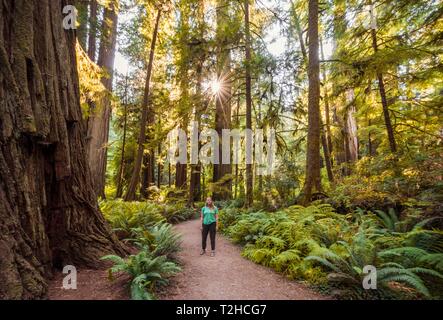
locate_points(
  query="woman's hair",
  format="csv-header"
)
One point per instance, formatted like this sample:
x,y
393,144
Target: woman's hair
x,y
212,203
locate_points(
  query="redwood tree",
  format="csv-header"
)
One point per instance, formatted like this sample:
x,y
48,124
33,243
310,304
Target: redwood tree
x,y
223,100
92,34
381,86
313,178
135,178
98,124
249,181
49,216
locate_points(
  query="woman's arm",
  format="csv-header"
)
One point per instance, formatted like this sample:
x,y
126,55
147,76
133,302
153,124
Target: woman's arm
x,y
201,219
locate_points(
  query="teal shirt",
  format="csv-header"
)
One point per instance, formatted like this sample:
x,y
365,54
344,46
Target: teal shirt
x,y
209,215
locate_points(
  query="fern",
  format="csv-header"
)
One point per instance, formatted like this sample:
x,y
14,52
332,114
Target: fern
x,y
282,261
145,270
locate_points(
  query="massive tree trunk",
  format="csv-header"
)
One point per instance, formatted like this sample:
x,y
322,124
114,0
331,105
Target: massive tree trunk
x,y
98,123
48,211
249,181
313,178
135,179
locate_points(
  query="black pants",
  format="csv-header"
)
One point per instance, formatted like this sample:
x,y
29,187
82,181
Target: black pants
x,y
211,229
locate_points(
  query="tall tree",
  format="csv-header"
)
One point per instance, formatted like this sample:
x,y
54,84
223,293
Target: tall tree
x,y
200,103
92,32
135,178
121,168
313,178
381,84
326,128
48,212
98,123
222,171
249,177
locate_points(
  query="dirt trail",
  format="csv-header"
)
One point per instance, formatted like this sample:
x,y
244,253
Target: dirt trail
x,y
228,275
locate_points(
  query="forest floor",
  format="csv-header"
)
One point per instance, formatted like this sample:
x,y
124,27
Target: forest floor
x,y
227,276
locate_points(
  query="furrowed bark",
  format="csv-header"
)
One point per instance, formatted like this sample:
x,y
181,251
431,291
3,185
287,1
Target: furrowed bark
x,y
49,216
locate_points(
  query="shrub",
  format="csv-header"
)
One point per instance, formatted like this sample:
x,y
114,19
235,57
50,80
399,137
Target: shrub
x,y
146,272
319,246
125,216
160,240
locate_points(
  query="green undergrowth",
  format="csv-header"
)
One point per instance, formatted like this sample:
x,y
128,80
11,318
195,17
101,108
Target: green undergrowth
x,y
147,226
123,216
329,251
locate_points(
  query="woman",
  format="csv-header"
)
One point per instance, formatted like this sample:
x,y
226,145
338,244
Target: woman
x,y
209,220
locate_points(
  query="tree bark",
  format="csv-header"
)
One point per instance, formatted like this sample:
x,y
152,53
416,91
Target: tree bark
x,y
92,34
313,178
98,123
148,172
135,179
237,123
327,107
159,167
49,216
351,138
181,175
249,181
327,156
119,192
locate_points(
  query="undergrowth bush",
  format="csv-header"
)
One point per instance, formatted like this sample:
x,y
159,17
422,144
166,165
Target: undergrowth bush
x,y
124,216
322,247
160,240
410,181
146,271
147,226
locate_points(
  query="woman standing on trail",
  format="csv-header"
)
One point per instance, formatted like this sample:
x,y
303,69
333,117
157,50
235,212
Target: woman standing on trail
x,y
209,219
